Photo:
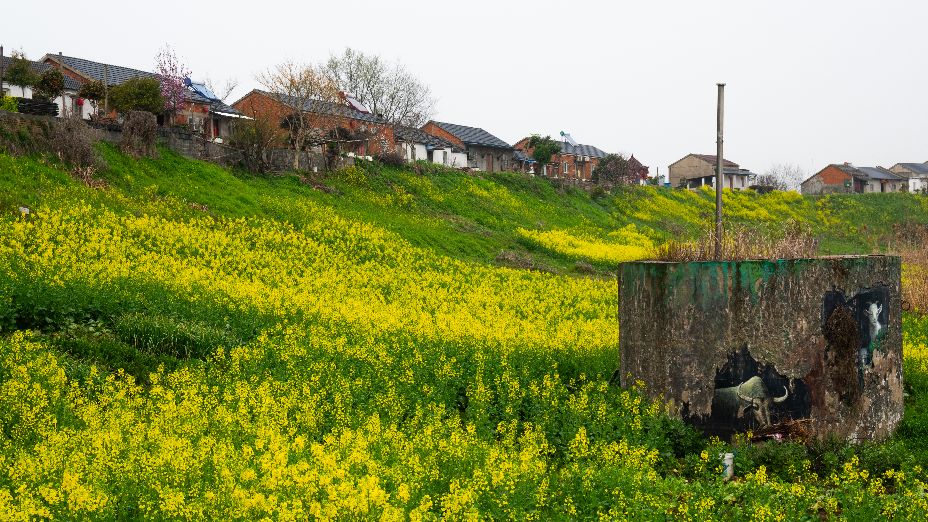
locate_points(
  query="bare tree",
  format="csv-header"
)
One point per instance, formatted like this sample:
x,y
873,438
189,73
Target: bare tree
x,y
782,176
388,90
225,90
310,93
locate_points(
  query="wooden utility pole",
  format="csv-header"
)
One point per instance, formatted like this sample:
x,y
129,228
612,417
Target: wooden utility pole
x,y
2,72
719,160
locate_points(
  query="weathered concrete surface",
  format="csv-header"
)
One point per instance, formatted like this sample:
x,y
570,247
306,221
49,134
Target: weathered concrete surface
x,y
804,326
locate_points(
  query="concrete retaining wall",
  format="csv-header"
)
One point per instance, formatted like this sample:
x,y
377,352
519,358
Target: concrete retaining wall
x,y
752,345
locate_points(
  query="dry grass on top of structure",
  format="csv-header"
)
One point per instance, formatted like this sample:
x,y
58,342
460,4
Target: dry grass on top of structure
x,y
739,244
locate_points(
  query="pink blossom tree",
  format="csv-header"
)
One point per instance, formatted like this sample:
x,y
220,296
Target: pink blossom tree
x,y
171,73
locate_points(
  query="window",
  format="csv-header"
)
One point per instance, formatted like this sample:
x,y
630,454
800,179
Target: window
x,y
444,157
565,167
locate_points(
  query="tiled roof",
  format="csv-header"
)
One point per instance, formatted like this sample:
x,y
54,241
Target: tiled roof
x,y
116,74
865,173
582,150
713,159
473,135
324,107
413,135
917,168
70,84
878,173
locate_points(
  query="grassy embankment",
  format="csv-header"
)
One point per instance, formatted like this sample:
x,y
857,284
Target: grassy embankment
x,y
192,343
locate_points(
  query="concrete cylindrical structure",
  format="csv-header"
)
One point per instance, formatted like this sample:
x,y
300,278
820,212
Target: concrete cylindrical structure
x,y
752,345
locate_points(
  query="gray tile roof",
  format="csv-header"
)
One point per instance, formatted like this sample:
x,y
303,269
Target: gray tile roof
x,y
917,168
413,135
324,107
70,84
865,173
116,74
473,136
582,150
878,173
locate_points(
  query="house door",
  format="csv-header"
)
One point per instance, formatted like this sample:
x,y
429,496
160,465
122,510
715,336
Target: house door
x,y
489,158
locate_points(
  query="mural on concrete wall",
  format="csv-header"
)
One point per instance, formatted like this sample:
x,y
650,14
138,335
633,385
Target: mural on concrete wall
x,y
751,396
856,326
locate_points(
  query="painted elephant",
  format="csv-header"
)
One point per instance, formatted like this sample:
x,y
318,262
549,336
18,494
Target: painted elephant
x,y
735,401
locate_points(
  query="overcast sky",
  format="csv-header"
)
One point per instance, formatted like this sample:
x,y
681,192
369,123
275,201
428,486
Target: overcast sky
x,y
809,83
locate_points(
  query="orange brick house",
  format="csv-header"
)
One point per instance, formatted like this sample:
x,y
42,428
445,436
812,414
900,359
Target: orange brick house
x,y
848,178
575,161
358,132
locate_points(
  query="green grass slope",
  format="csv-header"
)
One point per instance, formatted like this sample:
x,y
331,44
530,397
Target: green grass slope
x,y
192,342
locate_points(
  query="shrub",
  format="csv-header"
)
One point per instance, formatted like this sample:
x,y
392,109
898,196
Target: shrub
x,y
740,243
73,141
9,104
137,94
909,242
253,138
393,159
139,134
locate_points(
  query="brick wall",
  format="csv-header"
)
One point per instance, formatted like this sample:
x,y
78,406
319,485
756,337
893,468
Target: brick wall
x,y
261,106
435,130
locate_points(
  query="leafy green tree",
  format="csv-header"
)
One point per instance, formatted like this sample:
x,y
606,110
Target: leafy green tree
x,y
49,85
20,72
138,94
543,149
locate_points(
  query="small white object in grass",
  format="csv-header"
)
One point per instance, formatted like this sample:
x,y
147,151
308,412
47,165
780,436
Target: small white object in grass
x,y
24,211
728,465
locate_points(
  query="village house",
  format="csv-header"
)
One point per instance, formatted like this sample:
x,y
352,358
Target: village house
x,y
850,179
206,114
357,130
416,145
202,111
484,151
575,161
695,170
67,105
915,173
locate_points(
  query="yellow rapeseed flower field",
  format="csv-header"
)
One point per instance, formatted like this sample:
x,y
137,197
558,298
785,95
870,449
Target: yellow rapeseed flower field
x,y
346,375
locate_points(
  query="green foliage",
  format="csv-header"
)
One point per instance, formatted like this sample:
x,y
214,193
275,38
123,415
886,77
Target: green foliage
x,y
93,90
137,94
544,148
20,72
9,104
49,85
